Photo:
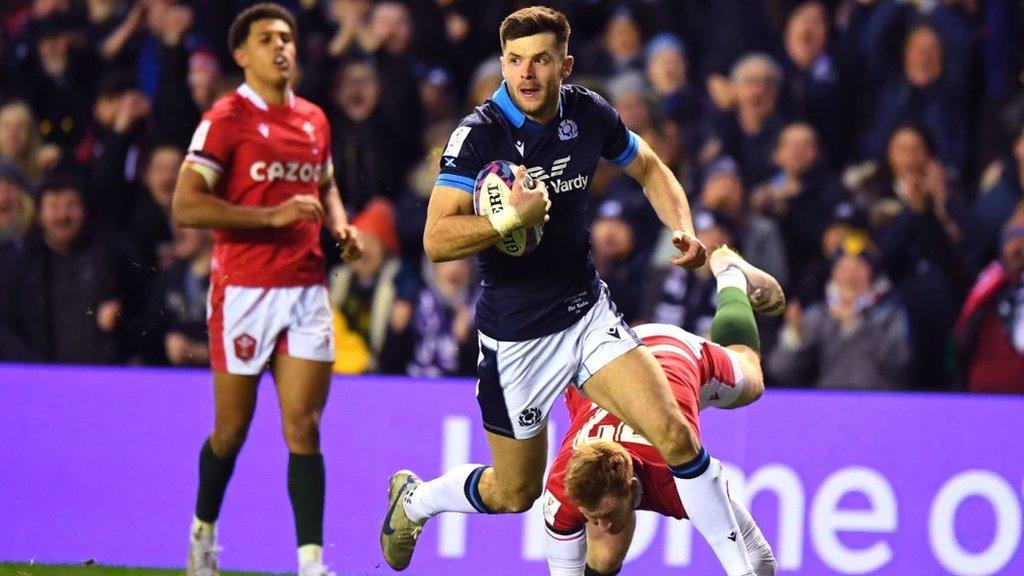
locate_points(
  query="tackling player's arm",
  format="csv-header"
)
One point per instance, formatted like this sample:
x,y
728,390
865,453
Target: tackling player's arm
x,y
453,231
668,199
194,206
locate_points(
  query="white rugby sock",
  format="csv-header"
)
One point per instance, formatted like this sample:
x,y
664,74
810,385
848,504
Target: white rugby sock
x,y
310,553
454,491
707,504
202,530
731,277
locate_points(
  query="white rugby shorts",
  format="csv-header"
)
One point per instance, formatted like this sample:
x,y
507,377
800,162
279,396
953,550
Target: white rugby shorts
x,y
520,381
248,325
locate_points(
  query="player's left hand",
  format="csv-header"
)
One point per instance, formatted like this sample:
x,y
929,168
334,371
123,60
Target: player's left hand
x,y
693,253
349,241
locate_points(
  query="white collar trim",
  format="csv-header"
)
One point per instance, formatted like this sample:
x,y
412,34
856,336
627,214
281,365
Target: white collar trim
x,y
249,94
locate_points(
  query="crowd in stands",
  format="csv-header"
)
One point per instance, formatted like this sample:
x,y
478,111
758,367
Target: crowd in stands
x,y
868,153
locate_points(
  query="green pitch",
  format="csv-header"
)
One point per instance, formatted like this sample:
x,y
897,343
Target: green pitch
x,y
94,570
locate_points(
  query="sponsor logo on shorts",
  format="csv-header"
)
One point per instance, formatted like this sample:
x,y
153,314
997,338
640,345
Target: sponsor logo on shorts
x,y
613,332
529,417
245,347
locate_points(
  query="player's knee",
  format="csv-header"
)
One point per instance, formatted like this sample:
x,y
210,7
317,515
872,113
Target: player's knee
x,y
302,432
676,440
227,438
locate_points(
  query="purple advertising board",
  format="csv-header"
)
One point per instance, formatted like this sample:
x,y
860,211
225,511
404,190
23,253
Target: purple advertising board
x,y
101,464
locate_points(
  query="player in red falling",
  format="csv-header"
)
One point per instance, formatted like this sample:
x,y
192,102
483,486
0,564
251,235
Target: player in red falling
x,y
259,173
605,471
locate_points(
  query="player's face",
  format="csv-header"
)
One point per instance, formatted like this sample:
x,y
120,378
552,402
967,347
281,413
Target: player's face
x,y
614,514
534,67
268,53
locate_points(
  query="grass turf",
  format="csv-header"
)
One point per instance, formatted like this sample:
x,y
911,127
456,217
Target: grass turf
x,y
94,570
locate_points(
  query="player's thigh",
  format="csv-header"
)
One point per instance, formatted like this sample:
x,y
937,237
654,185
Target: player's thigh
x,y
518,469
634,388
302,386
605,551
234,404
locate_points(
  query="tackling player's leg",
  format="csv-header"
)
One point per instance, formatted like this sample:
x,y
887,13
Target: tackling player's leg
x,y
302,389
648,407
234,404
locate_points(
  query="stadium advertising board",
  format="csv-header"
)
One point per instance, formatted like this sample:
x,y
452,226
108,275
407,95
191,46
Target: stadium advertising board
x,y
101,464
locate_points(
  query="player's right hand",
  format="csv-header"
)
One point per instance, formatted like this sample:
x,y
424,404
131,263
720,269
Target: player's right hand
x,y
300,208
532,204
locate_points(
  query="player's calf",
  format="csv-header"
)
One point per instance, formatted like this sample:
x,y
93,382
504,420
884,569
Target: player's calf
x,y
509,494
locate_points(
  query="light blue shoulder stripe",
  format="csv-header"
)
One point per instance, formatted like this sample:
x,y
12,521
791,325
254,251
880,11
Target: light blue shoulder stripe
x,y
464,183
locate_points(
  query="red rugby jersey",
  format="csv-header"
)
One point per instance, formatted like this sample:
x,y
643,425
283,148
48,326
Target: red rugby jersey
x,y
689,362
264,155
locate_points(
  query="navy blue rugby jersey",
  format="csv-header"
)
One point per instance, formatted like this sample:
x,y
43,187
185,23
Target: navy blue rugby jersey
x,y
549,289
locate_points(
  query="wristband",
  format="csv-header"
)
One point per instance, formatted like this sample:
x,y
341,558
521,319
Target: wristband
x,y
505,221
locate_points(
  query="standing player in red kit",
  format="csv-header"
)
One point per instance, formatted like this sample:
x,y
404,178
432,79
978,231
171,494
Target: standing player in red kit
x,y
259,173
605,471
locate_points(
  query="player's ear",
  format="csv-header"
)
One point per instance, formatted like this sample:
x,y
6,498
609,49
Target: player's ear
x,y
567,66
240,56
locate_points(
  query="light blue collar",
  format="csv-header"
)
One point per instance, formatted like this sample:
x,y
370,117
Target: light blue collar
x,y
503,100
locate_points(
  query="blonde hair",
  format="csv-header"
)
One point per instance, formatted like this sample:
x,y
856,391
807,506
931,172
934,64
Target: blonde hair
x,y
20,111
597,469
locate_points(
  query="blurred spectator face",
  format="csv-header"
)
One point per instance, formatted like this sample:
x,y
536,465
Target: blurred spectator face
x,y
806,34
612,240
104,110
452,278
373,257
392,25
190,243
53,53
797,151
61,217
723,193
358,91
203,71
44,8
756,80
11,209
634,109
101,10
851,276
486,79
16,126
908,153
162,174
435,94
666,70
710,231
922,57
664,140
622,37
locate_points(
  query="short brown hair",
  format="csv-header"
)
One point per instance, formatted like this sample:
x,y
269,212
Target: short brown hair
x,y
597,469
535,20
239,30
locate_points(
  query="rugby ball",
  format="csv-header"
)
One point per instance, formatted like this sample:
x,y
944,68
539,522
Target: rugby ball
x,y
490,196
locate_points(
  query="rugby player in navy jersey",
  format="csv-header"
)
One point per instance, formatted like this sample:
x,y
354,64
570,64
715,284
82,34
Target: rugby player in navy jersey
x,y
545,319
